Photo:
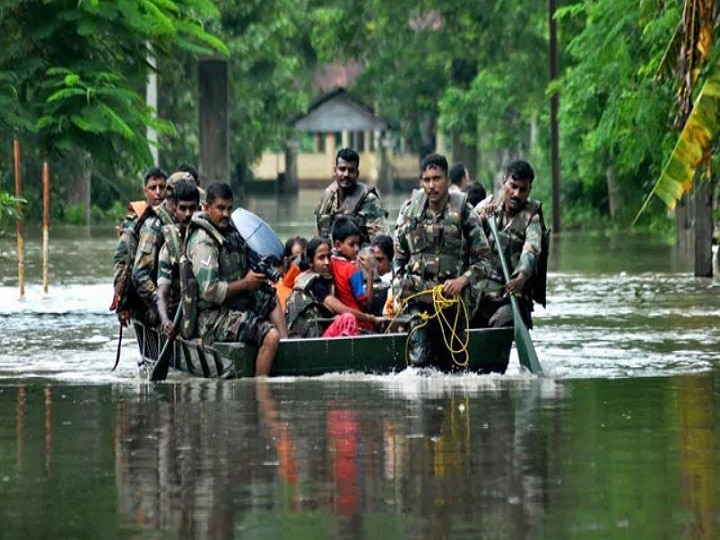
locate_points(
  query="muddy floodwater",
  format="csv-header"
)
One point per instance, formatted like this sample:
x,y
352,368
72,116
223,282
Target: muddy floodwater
x,y
618,439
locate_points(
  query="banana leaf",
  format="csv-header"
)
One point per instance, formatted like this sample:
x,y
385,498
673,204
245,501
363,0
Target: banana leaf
x,y
693,145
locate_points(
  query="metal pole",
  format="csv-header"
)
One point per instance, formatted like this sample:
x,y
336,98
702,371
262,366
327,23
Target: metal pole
x,y
46,224
151,99
20,228
554,131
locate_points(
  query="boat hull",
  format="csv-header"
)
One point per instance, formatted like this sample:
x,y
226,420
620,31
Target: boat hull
x,y
488,351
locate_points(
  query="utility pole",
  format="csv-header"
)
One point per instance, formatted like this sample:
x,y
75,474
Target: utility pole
x,y
554,106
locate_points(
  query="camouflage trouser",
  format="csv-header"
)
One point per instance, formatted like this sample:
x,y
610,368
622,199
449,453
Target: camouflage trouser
x,y
148,316
248,326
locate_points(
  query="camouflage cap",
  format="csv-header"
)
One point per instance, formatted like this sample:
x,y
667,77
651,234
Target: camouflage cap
x,y
176,177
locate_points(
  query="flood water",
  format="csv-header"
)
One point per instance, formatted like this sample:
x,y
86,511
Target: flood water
x,y
618,439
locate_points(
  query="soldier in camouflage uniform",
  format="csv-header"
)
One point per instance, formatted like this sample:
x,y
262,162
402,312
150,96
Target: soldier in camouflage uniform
x,y
150,240
347,196
126,302
521,230
438,241
184,197
234,303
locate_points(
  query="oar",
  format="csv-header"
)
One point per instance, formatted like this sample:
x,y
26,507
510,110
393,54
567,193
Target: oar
x,y
526,350
160,369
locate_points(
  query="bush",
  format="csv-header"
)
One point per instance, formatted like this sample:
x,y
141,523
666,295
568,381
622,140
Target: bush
x,y
8,211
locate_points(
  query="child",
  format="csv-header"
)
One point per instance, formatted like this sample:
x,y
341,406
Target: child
x,y
353,281
294,250
313,299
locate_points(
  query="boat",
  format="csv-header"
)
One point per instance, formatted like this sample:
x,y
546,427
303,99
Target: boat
x,y
488,351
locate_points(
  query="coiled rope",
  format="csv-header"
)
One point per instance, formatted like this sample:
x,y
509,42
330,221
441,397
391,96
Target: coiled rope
x,y
449,330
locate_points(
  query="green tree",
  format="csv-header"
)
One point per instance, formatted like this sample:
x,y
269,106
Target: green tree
x,y
270,69
475,72
73,75
612,117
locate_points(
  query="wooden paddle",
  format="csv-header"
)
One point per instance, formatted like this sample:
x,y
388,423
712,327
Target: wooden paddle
x,y
526,350
161,367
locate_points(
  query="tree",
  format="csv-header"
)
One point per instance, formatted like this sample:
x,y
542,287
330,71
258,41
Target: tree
x,y
73,73
270,68
692,45
475,71
612,121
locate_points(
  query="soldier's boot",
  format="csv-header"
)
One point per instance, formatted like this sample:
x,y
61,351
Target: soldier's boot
x,y
419,345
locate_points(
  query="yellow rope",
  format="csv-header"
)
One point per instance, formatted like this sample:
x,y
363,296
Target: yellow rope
x,y
448,329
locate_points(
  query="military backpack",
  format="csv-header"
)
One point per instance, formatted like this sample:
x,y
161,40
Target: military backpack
x,y
126,298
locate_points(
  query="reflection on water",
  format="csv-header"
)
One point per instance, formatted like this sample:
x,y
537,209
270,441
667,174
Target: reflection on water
x,y
617,440
333,459
406,457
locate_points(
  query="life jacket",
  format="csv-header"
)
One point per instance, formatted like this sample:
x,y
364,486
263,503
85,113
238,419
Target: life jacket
x,y
189,293
125,296
379,297
303,310
350,206
437,251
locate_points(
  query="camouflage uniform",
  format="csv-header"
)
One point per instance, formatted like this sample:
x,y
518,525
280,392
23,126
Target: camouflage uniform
x,y
145,269
169,265
521,237
218,258
431,248
125,299
363,204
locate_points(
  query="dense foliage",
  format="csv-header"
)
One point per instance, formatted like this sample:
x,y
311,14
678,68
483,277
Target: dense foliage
x,y
475,72
73,78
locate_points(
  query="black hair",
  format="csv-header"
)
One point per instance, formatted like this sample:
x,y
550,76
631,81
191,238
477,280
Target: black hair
x,y
475,192
520,170
434,161
292,241
190,169
154,172
312,247
218,190
349,155
385,243
344,227
185,191
457,173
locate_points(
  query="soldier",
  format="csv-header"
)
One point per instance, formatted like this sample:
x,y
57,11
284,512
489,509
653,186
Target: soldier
x,y
150,240
189,173
522,233
184,199
438,241
233,302
459,177
125,300
348,196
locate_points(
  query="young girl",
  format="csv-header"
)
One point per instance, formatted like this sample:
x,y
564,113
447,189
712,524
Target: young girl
x,y
313,303
294,250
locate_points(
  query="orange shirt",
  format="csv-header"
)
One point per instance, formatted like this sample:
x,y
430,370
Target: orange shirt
x,y
284,287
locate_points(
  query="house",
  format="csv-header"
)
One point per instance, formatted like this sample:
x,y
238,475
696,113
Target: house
x,y
336,120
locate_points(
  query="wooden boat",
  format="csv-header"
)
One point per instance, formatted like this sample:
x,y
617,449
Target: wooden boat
x,y
488,351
